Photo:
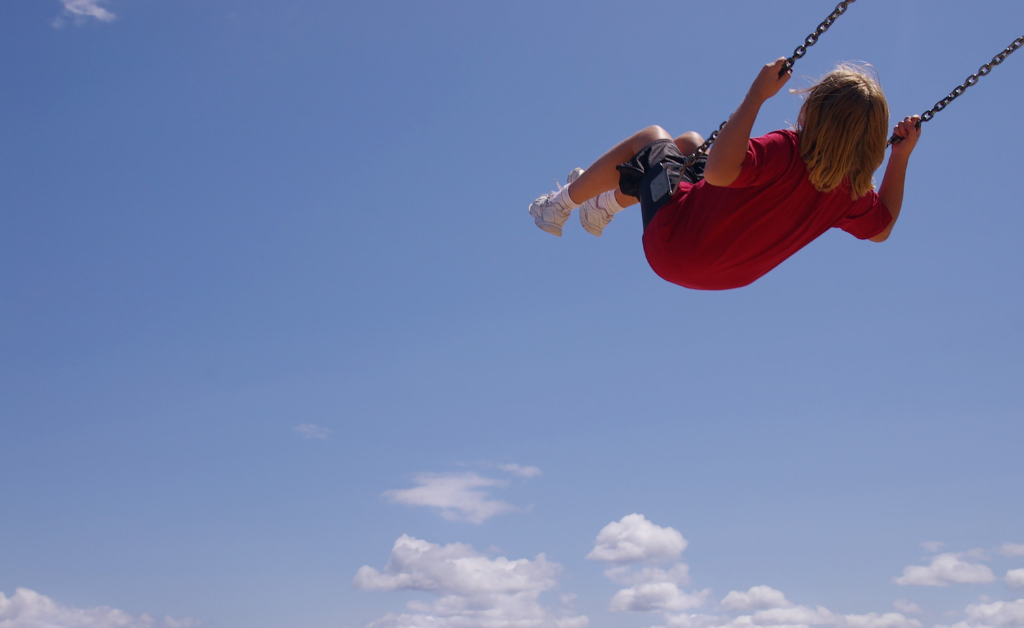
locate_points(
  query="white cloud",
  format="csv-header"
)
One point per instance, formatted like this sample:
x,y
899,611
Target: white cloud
x,y
821,616
80,10
698,620
523,472
876,620
28,609
1012,549
906,606
996,615
459,496
473,590
1015,578
756,598
933,546
309,430
796,616
634,539
946,569
657,596
455,569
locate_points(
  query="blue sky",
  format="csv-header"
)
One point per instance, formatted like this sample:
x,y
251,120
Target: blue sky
x,y
281,347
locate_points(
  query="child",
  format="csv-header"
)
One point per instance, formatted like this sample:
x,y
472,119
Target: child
x,y
732,216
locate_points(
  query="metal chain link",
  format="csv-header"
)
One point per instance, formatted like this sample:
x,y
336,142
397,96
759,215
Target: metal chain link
x,y
800,51
813,37
971,80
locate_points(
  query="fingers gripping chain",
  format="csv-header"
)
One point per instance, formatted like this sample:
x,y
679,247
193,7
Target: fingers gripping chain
x,y
800,51
971,80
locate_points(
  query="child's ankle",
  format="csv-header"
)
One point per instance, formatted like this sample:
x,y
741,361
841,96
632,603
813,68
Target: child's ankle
x,y
564,200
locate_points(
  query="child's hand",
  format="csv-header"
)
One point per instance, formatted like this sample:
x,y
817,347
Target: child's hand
x,y
909,131
768,82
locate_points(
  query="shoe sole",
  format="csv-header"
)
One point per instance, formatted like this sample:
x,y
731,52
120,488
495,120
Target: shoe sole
x,y
550,227
590,227
591,230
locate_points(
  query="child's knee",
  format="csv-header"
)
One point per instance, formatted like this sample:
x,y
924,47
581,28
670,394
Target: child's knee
x,y
648,135
653,133
688,143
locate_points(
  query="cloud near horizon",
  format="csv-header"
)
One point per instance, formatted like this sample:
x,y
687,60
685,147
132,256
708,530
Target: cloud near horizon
x,y
992,615
473,591
476,591
944,570
757,598
791,617
28,609
633,539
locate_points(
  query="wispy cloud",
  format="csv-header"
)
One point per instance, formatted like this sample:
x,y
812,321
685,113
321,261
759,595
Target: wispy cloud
x,y
1015,578
310,430
523,472
28,609
1012,549
626,575
458,496
473,591
906,606
656,596
81,10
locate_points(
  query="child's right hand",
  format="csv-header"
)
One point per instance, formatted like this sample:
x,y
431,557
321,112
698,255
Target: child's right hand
x,y
768,82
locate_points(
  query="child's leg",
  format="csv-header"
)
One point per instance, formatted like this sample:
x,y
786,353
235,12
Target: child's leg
x,y
602,175
599,185
689,142
595,213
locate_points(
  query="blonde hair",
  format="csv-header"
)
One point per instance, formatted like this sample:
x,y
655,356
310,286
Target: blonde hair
x,y
844,127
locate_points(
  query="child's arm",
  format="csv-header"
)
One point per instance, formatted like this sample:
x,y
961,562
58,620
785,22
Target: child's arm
x,y
730,149
891,191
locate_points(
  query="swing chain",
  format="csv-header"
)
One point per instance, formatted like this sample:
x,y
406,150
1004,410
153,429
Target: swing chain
x,y
786,67
813,37
703,148
971,80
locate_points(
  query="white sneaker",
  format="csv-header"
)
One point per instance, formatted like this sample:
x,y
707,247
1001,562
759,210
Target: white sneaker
x,y
549,215
594,216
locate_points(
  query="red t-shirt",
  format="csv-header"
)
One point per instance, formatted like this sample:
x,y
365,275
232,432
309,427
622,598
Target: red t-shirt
x,y
716,238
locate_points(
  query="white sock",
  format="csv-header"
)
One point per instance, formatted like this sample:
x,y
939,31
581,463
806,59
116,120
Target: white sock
x,y
608,202
564,200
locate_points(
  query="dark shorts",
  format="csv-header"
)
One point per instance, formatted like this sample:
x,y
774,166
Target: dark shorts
x,y
653,175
